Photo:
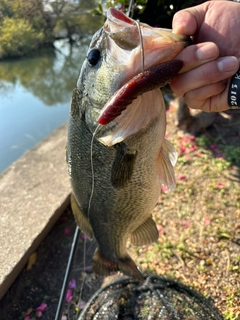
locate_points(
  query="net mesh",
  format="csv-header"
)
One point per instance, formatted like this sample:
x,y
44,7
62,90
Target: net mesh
x,y
156,298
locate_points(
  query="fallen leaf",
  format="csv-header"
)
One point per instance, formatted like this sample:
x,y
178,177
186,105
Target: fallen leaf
x,y
67,230
72,284
69,295
42,307
39,314
29,311
206,221
81,304
181,176
31,261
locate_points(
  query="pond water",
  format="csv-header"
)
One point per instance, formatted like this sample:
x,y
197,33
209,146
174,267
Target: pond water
x,y
35,94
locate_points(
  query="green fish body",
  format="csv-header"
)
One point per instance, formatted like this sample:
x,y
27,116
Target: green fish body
x,y
116,170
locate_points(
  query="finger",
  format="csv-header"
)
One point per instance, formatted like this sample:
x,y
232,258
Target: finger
x,y
211,98
217,103
188,21
196,55
206,74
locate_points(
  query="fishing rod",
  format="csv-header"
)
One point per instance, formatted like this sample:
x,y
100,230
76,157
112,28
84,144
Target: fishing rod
x,y
71,259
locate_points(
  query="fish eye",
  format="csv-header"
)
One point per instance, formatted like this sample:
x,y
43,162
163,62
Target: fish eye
x,y
93,57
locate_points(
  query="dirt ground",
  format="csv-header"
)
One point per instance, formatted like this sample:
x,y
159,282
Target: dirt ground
x,y
199,233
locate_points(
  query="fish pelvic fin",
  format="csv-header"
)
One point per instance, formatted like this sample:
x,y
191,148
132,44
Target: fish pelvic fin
x,y
145,234
81,219
166,161
105,267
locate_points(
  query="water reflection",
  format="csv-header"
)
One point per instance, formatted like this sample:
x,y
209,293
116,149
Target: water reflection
x,y
27,86
50,75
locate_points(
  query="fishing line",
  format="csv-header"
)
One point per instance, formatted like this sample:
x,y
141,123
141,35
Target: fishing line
x,y
130,9
71,259
91,155
92,189
88,213
81,289
92,169
141,45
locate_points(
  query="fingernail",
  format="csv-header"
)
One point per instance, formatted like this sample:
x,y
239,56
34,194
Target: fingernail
x,y
177,25
206,52
227,64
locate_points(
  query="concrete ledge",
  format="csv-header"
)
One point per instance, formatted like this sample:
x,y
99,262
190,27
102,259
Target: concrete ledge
x,y
34,193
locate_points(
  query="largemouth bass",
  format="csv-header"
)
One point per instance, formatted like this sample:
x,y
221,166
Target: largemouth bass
x,y
116,170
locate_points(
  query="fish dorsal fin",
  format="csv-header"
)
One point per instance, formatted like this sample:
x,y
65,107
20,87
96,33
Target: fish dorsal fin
x,y
145,234
137,116
167,159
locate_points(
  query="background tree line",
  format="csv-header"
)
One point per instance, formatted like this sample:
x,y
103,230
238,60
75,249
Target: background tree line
x,y
26,25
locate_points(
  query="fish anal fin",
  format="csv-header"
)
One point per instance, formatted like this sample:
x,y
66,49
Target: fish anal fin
x,y
102,266
80,218
123,165
166,160
126,265
145,234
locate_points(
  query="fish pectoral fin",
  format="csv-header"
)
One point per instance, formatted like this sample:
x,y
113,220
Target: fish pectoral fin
x,y
136,117
105,267
145,234
167,159
80,218
123,165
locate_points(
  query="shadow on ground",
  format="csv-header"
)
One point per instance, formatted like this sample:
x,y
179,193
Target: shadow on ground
x,y
43,282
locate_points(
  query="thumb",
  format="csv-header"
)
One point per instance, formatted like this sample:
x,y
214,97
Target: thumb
x,y
188,21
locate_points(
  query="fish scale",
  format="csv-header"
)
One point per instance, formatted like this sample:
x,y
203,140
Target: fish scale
x,y
116,172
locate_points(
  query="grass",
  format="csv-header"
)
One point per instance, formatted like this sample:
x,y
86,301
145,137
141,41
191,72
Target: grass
x,y
199,222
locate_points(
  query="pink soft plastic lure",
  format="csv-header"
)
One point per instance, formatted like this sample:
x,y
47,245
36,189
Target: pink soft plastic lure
x,y
152,78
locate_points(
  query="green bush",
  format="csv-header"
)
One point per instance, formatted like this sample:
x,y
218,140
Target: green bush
x,y
17,38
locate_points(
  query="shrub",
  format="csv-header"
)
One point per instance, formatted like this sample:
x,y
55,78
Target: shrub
x,y
18,37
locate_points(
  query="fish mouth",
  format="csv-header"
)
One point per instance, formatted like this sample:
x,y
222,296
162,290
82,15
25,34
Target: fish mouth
x,y
122,29
125,32
138,48
145,47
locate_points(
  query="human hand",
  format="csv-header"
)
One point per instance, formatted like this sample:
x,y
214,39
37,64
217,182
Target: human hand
x,y
213,59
